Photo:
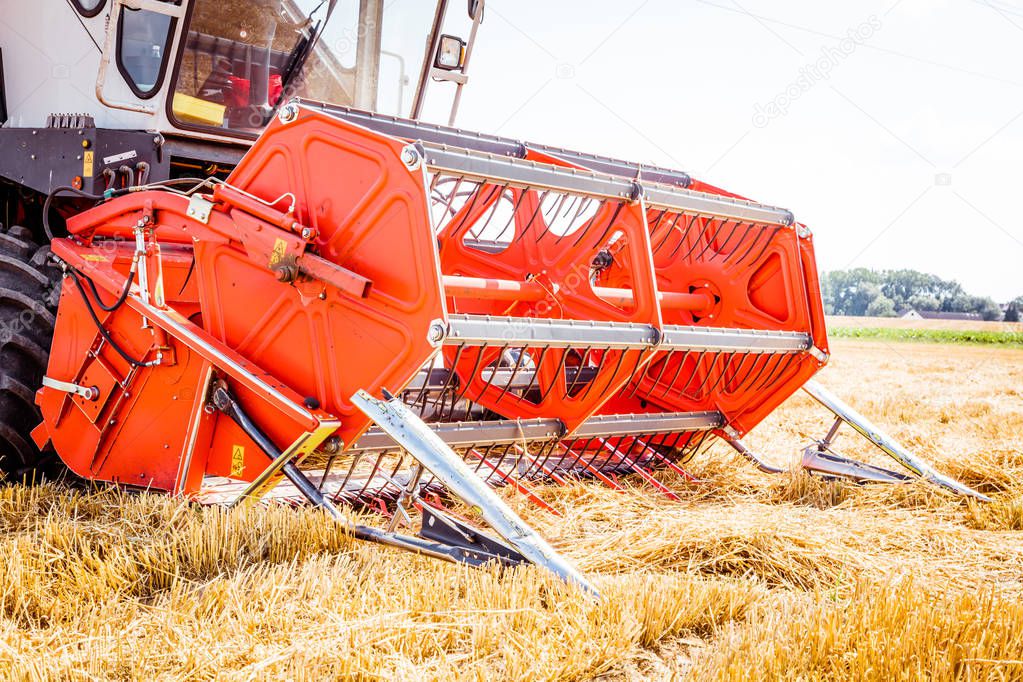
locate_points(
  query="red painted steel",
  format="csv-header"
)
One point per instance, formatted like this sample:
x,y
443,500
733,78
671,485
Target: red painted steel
x,y
321,269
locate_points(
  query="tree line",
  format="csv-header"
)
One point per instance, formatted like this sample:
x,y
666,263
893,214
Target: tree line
x,y
886,293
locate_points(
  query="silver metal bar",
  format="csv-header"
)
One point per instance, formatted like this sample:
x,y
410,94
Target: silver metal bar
x,y
238,367
682,338
689,201
511,172
447,467
461,434
607,426
478,330
612,166
491,246
514,172
195,425
505,431
493,144
886,443
367,48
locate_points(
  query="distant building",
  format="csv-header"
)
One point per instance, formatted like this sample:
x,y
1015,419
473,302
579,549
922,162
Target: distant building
x,y
914,314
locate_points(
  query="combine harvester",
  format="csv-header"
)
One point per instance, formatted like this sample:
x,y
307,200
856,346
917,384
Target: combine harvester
x,y
247,294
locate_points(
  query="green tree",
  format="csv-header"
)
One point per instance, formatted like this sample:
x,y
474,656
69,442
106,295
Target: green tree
x,y
849,292
923,301
1012,311
883,292
988,309
881,306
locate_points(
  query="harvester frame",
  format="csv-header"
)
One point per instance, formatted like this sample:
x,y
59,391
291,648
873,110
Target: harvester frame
x,y
373,310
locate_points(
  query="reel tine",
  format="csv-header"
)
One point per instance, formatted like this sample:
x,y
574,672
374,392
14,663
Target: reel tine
x,y
506,477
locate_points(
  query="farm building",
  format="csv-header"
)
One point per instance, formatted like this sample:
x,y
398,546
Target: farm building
x,y
914,314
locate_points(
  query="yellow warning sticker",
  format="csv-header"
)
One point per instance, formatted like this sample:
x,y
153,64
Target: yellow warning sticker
x,y
237,460
280,248
93,258
87,158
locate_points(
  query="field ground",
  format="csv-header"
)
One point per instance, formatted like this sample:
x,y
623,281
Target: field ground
x,y
1006,334
839,321
747,577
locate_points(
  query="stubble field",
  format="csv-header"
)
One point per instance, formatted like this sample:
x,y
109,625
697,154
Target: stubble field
x,y
748,576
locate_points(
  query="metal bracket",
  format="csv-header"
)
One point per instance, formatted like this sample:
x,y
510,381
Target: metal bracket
x,y
446,530
818,460
200,208
87,392
888,445
416,438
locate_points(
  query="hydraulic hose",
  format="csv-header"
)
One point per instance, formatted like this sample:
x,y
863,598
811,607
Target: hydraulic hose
x,y
62,190
99,325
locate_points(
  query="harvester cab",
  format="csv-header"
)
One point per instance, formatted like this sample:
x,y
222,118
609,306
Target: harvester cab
x,y
263,276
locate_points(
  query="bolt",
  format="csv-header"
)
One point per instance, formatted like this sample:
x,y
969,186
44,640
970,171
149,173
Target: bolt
x,y
307,233
802,231
410,157
288,113
286,273
436,333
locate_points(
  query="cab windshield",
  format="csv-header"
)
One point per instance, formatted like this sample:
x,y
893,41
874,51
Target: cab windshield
x,y
240,58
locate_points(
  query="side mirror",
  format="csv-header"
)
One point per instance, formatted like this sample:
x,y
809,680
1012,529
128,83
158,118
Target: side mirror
x,y
450,54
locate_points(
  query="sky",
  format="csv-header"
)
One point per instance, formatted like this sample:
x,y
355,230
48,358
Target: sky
x,y
894,129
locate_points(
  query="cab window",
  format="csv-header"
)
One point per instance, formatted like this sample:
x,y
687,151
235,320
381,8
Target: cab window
x,y
236,59
89,8
237,62
143,38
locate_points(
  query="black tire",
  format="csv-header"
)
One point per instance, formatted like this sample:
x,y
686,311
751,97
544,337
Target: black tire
x,y
29,292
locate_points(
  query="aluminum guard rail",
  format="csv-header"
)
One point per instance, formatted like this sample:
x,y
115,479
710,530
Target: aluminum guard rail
x,y
512,172
480,330
506,431
502,146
